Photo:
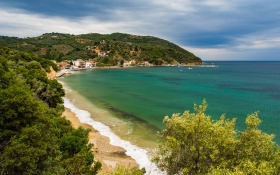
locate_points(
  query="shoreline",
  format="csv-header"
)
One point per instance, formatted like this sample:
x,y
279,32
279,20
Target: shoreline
x,y
63,71
109,155
122,153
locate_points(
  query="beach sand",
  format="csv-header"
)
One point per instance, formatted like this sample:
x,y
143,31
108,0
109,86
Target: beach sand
x,y
109,155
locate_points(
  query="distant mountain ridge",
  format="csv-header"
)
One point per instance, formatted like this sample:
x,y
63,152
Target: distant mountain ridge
x,y
105,48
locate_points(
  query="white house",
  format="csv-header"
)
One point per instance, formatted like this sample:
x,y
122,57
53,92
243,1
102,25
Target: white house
x,y
90,64
126,63
78,62
145,63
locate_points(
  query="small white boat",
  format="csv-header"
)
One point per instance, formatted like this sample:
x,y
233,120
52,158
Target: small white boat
x,y
190,68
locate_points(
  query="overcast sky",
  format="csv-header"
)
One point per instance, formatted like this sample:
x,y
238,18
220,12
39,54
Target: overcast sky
x,y
211,29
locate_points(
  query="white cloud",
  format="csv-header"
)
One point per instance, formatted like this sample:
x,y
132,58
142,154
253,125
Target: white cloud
x,y
176,6
212,54
24,24
220,5
236,53
29,25
261,40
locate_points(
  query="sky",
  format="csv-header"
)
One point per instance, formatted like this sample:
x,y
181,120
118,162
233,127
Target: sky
x,y
211,29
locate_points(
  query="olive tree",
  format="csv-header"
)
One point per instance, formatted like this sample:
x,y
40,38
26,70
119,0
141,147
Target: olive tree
x,y
193,143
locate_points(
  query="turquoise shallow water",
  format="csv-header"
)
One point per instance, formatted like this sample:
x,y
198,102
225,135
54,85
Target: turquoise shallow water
x,y
143,96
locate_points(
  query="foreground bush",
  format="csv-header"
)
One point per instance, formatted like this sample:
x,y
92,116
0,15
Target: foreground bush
x,y
195,144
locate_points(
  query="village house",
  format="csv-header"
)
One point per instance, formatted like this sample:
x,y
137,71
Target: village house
x,y
145,63
78,63
90,64
126,63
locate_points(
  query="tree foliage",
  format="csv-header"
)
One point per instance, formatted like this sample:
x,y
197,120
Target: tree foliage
x,y
193,143
122,170
34,138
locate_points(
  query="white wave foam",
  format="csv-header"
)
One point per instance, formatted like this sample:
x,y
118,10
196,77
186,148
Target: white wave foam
x,y
138,154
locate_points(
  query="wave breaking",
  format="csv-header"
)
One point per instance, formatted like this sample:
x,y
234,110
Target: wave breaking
x,y
138,154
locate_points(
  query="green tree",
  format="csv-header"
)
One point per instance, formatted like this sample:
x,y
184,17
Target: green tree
x,y
76,153
48,54
18,109
195,144
34,138
27,144
5,75
59,57
122,170
73,142
121,62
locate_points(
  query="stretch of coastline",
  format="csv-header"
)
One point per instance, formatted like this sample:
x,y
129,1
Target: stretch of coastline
x,y
64,71
108,148
109,155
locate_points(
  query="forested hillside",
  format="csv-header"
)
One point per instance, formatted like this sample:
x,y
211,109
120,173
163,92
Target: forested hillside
x,y
116,47
34,138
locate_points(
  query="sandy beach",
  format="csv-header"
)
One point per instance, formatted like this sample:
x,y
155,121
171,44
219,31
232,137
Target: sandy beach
x,y
109,155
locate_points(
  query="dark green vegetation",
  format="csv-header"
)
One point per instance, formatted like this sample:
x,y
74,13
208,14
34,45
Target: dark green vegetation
x,y
117,46
34,138
121,170
195,144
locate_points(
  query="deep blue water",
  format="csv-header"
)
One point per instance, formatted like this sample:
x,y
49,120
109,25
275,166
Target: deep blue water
x,y
146,95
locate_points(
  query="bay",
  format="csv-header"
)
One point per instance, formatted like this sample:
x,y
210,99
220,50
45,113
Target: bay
x,y
142,97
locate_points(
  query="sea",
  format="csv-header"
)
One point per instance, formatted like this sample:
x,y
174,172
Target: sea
x,y
129,104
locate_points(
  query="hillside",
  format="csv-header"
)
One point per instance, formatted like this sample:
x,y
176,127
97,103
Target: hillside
x,y
104,48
